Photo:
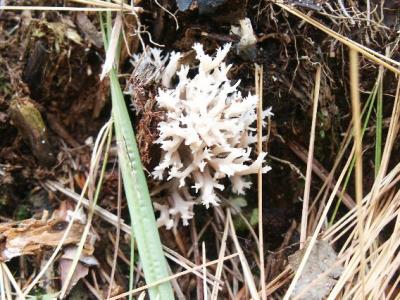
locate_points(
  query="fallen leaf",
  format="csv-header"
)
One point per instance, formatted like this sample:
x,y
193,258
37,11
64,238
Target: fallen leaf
x,y
81,270
32,236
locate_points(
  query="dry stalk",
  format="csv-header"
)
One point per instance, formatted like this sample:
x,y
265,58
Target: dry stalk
x,y
306,197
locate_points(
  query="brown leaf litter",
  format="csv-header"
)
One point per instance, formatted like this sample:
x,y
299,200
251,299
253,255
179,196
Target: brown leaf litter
x,y
31,236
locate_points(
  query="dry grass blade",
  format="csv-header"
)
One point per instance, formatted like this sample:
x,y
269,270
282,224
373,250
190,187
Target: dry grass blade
x,y
117,4
248,276
115,221
355,101
392,134
319,170
380,206
67,230
316,232
218,272
380,265
12,280
306,197
97,5
104,141
259,91
113,47
204,257
370,54
118,233
386,184
59,8
279,281
197,268
106,215
2,284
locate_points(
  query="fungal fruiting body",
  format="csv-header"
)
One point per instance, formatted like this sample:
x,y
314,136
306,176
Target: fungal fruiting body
x,y
207,135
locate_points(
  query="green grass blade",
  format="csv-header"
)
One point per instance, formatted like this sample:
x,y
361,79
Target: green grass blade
x,y
139,203
143,223
366,111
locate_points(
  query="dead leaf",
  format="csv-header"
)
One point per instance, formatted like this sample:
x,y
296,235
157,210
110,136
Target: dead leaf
x,y
31,236
81,270
87,259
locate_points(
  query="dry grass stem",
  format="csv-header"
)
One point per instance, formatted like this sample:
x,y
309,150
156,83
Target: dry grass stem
x,y
218,272
370,54
259,92
190,270
306,197
247,274
356,109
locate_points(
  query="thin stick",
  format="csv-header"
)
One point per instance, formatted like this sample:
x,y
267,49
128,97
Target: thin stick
x,y
355,100
5,284
259,91
306,197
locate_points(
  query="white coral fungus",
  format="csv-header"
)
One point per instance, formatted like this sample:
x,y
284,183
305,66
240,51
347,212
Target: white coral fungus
x,y
207,134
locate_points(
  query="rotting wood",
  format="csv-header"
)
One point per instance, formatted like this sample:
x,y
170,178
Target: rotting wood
x,y
35,67
27,118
